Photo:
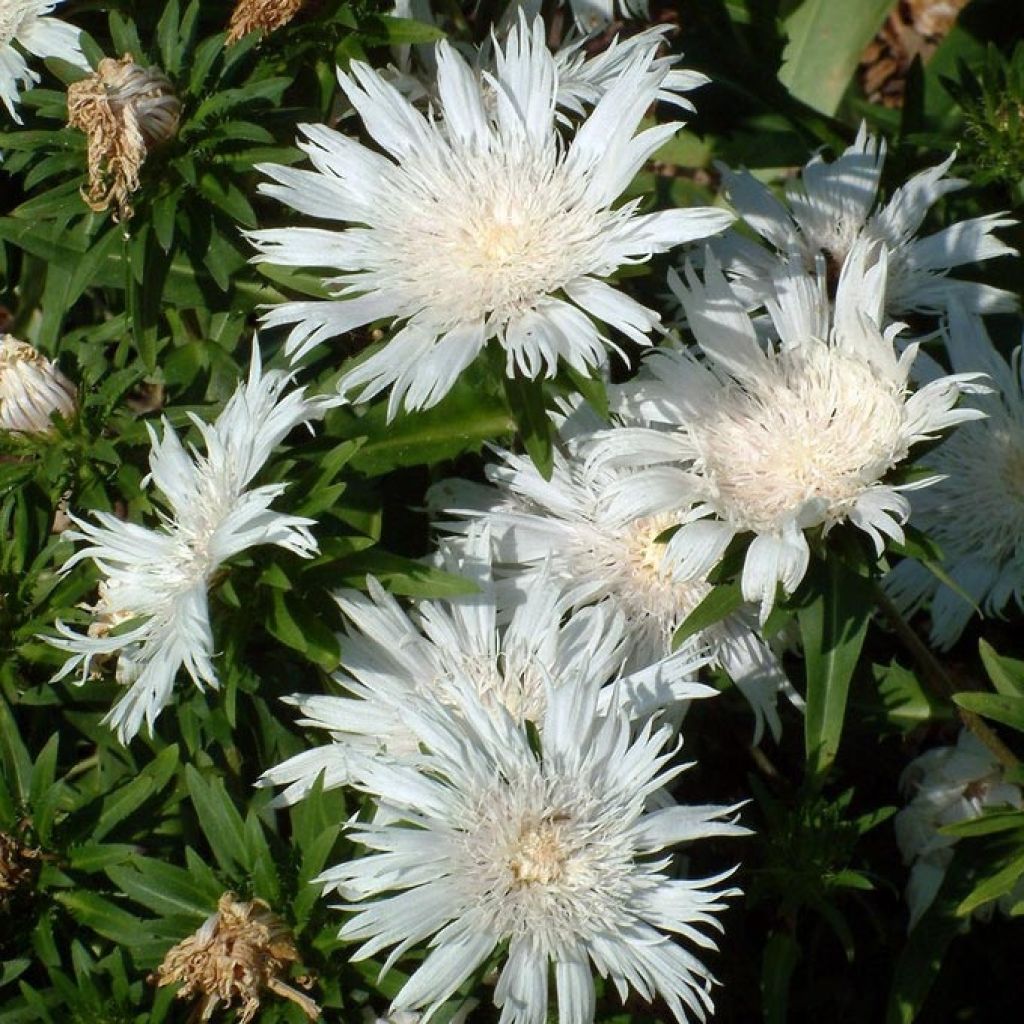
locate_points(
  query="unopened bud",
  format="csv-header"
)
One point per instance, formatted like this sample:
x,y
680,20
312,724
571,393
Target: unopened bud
x,y
31,389
125,111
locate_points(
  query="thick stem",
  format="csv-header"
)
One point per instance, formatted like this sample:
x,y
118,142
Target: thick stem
x,y
939,680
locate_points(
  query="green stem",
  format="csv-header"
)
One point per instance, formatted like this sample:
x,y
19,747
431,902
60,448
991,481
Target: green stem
x,y
935,675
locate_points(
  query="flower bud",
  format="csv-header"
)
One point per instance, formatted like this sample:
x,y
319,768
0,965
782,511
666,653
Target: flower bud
x,y
125,111
31,389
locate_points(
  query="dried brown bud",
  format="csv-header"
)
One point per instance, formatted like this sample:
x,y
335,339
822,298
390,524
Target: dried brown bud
x,y
125,111
18,867
31,389
240,950
261,16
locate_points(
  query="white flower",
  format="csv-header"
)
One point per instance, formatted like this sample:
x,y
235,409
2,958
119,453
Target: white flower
x,y
552,851
32,389
833,205
772,442
506,647
975,512
24,22
159,577
476,223
947,785
567,525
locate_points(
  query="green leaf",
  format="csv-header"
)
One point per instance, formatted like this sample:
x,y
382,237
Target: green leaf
x,y
781,955
383,28
1008,710
526,400
825,41
461,422
833,627
990,822
994,886
722,601
103,916
122,802
1005,674
163,888
220,821
295,623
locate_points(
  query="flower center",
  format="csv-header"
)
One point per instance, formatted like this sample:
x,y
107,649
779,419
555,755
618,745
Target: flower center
x,y
472,237
804,440
540,855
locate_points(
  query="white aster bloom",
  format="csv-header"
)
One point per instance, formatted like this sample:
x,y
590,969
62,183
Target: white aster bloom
x,y
946,785
25,23
488,842
774,441
476,223
834,205
567,526
158,578
32,390
975,512
504,646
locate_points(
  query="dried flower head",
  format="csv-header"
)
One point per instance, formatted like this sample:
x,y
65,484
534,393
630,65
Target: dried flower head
x,y
31,389
125,111
18,866
238,952
263,16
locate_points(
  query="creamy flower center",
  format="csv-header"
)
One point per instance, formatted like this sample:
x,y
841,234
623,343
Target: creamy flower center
x,y
802,441
540,856
477,236
546,858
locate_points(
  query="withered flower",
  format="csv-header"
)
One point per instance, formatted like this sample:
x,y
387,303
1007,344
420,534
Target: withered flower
x,y
261,16
238,952
125,111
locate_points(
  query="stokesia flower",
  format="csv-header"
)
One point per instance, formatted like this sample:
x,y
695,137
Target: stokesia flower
x,y
834,205
477,222
542,842
566,526
25,22
975,512
32,390
773,442
504,646
158,578
125,111
946,785
238,951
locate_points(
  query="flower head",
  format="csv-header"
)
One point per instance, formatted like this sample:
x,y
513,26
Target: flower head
x,y
773,442
489,841
263,16
568,527
25,23
32,389
946,785
975,512
239,951
476,221
509,647
124,110
158,578
834,205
